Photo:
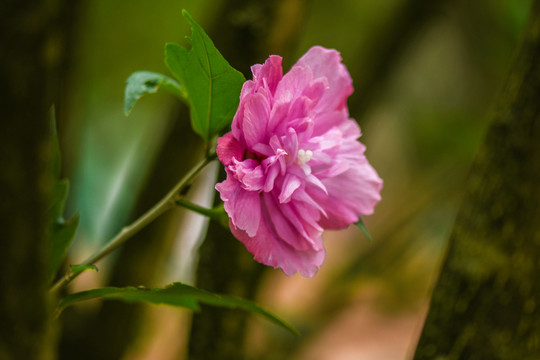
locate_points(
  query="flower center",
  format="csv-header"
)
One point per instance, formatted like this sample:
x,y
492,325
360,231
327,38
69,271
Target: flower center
x,y
304,156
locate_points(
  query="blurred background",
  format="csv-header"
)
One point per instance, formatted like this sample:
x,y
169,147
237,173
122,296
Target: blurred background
x,y
425,75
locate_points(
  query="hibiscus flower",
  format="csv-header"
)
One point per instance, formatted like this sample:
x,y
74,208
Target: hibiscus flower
x,y
294,164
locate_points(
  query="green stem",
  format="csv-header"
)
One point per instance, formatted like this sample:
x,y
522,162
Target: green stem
x,y
196,208
167,203
217,213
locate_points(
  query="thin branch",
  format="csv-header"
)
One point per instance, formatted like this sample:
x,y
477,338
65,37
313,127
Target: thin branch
x,y
167,203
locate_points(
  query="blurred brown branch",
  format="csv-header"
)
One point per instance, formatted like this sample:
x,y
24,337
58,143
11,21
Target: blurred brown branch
x,y
388,48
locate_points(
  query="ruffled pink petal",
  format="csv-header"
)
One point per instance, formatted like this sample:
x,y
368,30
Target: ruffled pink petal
x,y
249,173
363,186
243,207
325,63
228,148
323,122
271,175
278,118
256,114
304,221
290,184
293,84
270,250
228,189
306,201
247,211
254,180
350,129
248,88
268,74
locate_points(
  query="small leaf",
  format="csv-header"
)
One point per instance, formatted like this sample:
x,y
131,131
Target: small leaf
x,y
55,146
212,85
61,238
62,232
145,82
361,226
80,268
176,294
58,199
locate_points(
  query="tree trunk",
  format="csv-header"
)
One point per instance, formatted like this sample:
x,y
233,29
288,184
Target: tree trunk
x,y
486,304
32,45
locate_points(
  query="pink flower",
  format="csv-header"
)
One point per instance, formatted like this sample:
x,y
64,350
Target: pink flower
x,y
294,165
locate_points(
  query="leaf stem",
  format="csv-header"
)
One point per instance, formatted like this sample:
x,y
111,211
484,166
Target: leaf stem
x,y
195,208
166,203
216,213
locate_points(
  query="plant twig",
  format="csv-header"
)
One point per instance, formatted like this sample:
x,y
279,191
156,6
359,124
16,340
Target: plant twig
x,y
167,203
216,213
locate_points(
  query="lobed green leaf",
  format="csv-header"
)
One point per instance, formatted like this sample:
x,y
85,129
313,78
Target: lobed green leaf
x,y
176,294
212,85
141,83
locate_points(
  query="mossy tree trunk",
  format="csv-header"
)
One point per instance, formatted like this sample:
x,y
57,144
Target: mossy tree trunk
x,y
32,48
486,304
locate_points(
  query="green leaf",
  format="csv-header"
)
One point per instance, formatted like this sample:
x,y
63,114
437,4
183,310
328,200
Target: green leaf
x,y
58,200
145,82
62,231
55,146
212,85
62,236
361,226
176,294
82,267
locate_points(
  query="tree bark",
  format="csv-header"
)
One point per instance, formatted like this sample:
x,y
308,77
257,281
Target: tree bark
x,y
32,44
486,304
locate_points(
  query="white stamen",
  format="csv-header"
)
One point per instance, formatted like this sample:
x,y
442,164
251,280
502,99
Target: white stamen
x,y
304,156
